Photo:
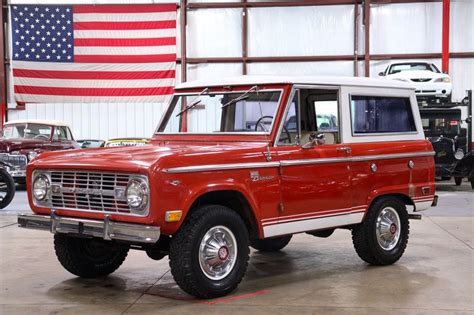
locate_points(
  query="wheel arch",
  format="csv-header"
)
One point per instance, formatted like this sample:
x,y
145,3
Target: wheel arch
x,y
232,199
402,197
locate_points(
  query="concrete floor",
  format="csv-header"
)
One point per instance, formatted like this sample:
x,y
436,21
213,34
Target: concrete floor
x,y
311,275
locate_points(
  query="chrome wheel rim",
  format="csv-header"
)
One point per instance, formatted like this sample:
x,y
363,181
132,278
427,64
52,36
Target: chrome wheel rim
x,y
388,228
218,252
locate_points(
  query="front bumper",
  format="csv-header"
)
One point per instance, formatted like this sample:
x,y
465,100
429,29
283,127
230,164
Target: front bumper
x,y
106,229
432,90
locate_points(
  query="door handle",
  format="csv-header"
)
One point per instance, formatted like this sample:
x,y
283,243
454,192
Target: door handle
x,y
344,149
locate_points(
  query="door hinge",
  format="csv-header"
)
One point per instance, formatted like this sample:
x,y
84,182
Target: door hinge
x,y
281,207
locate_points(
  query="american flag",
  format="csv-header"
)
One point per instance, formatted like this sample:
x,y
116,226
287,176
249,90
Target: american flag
x,y
93,53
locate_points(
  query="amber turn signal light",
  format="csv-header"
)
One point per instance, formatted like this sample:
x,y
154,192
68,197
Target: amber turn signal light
x,y
173,216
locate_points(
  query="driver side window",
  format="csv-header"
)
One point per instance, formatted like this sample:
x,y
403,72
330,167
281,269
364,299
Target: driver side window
x,y
312,111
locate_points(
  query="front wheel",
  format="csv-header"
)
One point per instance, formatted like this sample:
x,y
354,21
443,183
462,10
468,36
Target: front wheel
x,y
383,236
7,188
458,181
88,258
209,254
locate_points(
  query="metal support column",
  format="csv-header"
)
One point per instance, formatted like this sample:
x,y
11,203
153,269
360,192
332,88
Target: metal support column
x,y
3,66
183,11
367,37
445,37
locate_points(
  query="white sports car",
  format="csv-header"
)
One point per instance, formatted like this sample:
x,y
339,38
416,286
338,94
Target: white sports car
x,y
430,83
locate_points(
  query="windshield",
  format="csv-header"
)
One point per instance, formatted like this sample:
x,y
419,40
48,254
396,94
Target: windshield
x,y
441,126
233,112
27,131
412,66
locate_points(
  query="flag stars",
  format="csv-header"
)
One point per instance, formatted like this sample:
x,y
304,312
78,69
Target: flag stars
x,y
44,32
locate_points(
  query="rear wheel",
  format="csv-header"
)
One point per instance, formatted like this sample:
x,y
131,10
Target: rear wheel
x,y
383,236
271,244
209,254
458,181
88,258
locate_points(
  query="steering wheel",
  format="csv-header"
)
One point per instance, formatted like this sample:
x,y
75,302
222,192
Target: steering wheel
x,y
41,137
259,121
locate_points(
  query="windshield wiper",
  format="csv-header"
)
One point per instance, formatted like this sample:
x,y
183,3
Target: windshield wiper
x,y
194,103
241,97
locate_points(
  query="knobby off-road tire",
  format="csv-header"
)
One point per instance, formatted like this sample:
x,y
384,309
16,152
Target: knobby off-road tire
x,y
7,188
271,244
209,255
88,258
383,236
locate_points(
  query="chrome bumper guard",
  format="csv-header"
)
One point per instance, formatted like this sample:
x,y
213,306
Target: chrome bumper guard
x,y
106,229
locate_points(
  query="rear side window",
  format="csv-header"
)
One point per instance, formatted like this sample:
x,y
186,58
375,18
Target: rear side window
x,y
375,114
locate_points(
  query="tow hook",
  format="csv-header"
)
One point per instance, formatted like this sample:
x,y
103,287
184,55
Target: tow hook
x,y
414,216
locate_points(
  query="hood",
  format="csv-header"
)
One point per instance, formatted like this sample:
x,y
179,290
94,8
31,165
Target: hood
x,y
10,145
142,159
417,74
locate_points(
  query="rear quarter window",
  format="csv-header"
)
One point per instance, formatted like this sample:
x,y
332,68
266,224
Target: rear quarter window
x,y
381,115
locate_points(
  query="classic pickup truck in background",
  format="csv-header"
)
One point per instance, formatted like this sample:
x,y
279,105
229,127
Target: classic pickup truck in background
x,y
23,140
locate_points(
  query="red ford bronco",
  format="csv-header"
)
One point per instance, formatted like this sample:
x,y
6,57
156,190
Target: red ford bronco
x,y
242,162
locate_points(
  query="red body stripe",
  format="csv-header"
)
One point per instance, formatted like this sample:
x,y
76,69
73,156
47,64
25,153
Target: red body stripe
x,y
136,8
94,75
124,58
142,25
165,90
164,41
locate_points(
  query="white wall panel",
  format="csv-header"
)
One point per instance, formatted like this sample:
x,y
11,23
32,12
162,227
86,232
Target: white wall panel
x,y
343,68
98,121
301,31
462,74
406,28
214,33
462,25
213,70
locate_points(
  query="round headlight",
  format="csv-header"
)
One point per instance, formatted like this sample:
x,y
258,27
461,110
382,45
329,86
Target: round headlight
x,y
40,187
137,194
459,154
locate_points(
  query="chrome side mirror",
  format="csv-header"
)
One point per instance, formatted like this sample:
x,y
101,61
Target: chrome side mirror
x,y
315,139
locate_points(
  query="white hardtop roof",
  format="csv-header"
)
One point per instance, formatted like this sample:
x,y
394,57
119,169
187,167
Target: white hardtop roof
x,y
38,121
310,80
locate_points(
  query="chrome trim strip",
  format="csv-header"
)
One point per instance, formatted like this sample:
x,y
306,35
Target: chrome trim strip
x,y
362,158
313,224
233,166
220,167
107,229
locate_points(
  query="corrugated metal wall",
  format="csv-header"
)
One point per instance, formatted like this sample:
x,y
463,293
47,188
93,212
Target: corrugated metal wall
x,y
326,30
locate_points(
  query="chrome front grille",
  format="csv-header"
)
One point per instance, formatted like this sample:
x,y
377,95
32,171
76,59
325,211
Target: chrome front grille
x,y
17,161
90,191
